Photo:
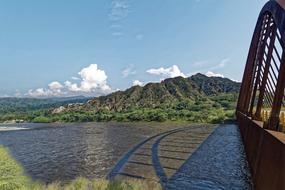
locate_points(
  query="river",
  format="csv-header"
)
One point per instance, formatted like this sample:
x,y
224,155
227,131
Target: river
x,y
62,152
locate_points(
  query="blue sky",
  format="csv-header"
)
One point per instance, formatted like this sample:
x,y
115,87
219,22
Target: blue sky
x,y
93,47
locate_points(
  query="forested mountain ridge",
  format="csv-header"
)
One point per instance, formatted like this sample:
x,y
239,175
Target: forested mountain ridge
x,y
195,99
23,105
170,90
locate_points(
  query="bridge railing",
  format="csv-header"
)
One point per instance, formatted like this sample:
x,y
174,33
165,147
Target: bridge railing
x,y
260,108
262,89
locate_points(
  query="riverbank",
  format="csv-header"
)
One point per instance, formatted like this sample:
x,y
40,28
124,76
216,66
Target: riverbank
x,y
12,177
12,128
28,126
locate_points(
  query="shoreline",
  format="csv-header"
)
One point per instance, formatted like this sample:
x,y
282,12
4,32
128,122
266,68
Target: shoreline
x,y
12,128
5,127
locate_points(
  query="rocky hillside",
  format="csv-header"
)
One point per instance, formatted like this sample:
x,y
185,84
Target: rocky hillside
x,y
168,91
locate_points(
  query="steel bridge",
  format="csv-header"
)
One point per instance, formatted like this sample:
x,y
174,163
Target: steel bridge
x,y
262,90
213,157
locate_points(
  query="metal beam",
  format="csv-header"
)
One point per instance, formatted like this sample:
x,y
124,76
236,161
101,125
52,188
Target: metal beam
x,y
265,74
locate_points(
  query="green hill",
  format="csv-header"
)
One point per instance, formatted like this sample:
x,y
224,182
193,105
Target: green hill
x,y
169,91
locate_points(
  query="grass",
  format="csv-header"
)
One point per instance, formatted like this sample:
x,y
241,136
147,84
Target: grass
x,y
100,184
11,173
12,177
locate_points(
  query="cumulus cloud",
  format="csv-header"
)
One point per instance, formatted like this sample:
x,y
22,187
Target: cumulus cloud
x,y
171,72
54,89
73,87
55,85
137,83
93,81
40,92
212,74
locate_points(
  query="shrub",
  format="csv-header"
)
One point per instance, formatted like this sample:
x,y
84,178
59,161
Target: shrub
x,y
41,119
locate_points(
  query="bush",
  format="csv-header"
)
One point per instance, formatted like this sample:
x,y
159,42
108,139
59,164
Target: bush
x,y
41,119
137,115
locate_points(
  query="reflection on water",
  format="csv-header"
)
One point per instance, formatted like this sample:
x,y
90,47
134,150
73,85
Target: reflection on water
x,y
219,163
63,152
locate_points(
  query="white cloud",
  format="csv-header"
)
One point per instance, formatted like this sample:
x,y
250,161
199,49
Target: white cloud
x,y
54,89
119,10
75,78
203,67
73,87
93,81
128,71
235,80
40,92
55,85
212,74
171,72
137,83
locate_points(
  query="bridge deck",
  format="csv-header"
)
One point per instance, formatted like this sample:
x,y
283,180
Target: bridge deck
x,y
196,157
